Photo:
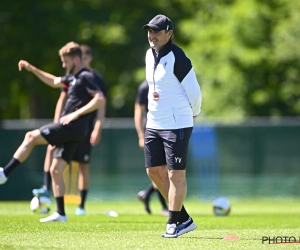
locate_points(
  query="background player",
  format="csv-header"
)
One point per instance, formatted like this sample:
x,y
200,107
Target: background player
x,y
140,118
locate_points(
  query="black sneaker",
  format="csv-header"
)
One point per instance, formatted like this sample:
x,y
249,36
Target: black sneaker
x,y
142,197
171,231
186,227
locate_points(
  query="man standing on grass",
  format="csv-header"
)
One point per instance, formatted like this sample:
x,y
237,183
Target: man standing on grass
x,y
174,100
84,97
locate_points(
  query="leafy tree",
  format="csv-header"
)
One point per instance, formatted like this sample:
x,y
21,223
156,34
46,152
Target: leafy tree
x,y
36,30
246,54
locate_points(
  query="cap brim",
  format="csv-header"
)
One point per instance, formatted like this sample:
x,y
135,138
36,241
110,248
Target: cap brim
x,y
151,26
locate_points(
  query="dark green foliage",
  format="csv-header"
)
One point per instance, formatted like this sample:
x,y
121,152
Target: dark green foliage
x,y
245,52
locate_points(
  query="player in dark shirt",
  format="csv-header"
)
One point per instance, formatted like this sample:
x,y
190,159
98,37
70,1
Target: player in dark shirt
x,y
140,118
82,154
84,97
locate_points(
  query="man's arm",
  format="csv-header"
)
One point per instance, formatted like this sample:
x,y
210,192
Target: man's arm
x,y
139,111
193,91
97,101
60,105
96,134
48,79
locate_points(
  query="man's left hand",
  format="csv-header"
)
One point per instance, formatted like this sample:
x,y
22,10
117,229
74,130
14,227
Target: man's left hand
x,y
95,137
68,118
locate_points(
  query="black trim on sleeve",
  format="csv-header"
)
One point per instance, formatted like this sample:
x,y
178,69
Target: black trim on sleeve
x,y
182,65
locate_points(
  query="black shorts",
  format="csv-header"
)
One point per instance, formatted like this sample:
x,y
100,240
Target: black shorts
x,y
65,137
167,147
83,151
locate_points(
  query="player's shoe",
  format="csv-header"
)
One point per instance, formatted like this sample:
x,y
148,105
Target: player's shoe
x,y
3,178
186,227
54,217
38,192
80,211
171,231
142,197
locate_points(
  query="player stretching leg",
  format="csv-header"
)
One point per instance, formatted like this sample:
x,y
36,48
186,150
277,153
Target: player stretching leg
x,y
84,97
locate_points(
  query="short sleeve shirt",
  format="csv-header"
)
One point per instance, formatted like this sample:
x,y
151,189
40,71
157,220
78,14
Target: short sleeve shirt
x,y
142,97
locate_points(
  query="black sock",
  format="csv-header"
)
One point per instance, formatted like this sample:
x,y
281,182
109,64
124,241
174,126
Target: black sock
x,y
184,216
47,180
148,191
11,166
162,200
83,194
60,205
173,217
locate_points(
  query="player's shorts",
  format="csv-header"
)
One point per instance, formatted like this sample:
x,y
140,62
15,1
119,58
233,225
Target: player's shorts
x,y
167,147
83,151
65,137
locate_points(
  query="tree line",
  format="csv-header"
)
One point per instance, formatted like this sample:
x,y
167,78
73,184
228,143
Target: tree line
x,y
245,52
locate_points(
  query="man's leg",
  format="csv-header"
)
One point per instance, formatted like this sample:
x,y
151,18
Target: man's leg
x,y
83,186
160,178
47,166
177,190
58,185
162,200
32,139
44,191
165,209
164,148
144,196
173,187
165,186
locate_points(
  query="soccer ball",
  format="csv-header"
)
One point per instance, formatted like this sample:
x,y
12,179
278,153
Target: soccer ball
x,y
40,205
221,206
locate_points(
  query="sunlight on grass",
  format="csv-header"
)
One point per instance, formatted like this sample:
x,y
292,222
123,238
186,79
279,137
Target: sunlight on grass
x,y
134,229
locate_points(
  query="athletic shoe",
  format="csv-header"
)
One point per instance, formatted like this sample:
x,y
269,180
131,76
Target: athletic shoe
x,y
171,231
38,192
54,217
3,178
186,227
80,211
142,197
165,212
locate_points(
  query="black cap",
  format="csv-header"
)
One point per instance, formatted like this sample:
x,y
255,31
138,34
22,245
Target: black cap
x,y
159,22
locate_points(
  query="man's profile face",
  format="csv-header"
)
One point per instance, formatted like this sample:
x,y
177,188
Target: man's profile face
x,y
158,39
68,64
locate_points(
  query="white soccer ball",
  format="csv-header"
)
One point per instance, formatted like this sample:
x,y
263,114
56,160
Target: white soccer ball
x,y
221,206
112,214
40,205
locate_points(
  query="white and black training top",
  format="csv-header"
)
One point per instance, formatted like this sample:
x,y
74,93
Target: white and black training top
x,y
172,76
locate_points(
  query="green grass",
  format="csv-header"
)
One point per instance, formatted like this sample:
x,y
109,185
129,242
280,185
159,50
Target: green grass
x,y
133,229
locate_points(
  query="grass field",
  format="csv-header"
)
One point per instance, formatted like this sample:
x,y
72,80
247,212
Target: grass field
x,y
133,229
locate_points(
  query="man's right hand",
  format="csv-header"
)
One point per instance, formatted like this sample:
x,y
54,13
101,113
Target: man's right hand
x,y
24,64
141,142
